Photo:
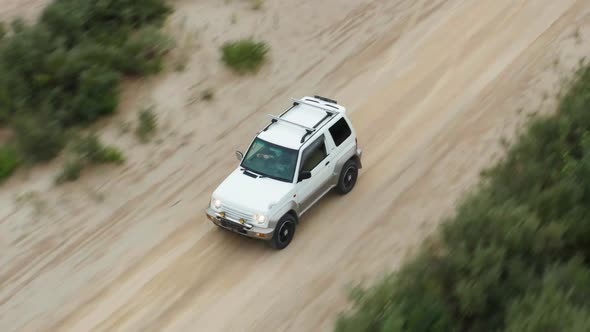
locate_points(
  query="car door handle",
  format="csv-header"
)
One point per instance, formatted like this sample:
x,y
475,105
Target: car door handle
x,y
327,163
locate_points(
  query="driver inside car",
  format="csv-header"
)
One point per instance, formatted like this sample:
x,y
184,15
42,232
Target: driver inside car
x,y
266,153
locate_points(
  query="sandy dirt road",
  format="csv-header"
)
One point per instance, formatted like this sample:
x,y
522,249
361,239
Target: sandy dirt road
x,y
432,86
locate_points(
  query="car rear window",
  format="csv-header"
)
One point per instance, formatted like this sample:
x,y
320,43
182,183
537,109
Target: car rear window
x,y
340,131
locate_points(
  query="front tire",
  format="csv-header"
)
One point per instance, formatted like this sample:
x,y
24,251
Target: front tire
x,y
348,177
284,232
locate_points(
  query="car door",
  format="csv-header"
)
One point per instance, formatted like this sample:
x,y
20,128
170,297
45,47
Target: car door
x,y
316,159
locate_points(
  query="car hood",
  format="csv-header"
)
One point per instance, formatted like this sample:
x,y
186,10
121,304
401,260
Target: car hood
x,y
251,194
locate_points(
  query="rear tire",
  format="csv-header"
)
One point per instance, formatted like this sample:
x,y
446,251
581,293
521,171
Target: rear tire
x,y
284,232
348,177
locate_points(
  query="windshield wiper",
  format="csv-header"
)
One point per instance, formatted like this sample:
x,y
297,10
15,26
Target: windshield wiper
x,y
262,175
252,171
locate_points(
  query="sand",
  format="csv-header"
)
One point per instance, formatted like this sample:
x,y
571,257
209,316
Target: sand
x,y
432,87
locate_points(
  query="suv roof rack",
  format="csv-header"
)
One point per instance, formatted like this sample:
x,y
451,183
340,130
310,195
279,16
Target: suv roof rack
x,y
308,103
327,100
312,103
276,118
328,117
285,112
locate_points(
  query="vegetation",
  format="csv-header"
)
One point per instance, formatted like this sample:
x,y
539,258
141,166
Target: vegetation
x,y
147,124
244,56
85,151
65,70
90,148
9,161
70,172
207,95
257,4
39,138
516,255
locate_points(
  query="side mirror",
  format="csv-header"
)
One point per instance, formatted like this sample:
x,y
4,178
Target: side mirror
x,y
239,155
304,175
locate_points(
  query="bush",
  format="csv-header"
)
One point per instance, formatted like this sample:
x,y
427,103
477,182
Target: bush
x,y
24,62
70,172
147,124
143,52
110,155
85,151
39,138
9,161
107,22
244,56
96,96
550,310
89,149
409,301
257,4
65,70
502,261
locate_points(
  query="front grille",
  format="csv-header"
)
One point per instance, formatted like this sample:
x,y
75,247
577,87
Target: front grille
x,y
233,225
236,214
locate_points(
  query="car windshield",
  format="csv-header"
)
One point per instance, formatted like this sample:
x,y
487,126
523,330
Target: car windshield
x,y
271,160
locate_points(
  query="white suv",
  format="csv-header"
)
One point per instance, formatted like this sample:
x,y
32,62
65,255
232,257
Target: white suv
x,y
293,162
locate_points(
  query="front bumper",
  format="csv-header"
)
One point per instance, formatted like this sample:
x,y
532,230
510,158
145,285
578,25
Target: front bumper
x,y
235,226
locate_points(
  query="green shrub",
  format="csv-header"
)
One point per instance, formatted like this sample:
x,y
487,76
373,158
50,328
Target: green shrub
x,y
111,154
9,161
70,172
72,86
549,310
97,95
147,124
257,4
244,56
501,262
571,278
143,52
411,300
85,151
107,21
24,62
39,138
65,70
89,149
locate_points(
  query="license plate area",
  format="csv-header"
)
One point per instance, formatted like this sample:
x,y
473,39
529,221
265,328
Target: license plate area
x,y
233,226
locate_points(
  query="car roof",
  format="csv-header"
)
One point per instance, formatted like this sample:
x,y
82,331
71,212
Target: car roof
x,y
303,114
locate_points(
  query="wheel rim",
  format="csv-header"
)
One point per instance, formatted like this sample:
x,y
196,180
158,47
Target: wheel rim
x,y
349,177
285,232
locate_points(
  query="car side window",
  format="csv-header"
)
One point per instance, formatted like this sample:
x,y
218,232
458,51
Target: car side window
x,y
340,131
314,154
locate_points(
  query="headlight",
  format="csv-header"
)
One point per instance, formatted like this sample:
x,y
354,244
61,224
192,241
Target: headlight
x,y
216,203
260,219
